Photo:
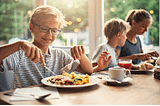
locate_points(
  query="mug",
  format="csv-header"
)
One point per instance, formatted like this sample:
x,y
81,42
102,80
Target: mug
x,y
119,73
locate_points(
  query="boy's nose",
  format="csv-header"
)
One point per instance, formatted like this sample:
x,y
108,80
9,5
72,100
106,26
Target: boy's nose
x,y
50,32
145,29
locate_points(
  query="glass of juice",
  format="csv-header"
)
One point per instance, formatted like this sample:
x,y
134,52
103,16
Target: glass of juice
x,y
125,63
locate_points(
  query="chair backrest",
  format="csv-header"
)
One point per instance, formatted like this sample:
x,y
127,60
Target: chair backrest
x,y
6,80
65,48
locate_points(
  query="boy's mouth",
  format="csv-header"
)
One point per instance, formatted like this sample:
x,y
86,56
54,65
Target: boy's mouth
x,y
46,39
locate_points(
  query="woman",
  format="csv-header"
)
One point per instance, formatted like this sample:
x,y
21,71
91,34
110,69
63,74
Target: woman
x,y
139,20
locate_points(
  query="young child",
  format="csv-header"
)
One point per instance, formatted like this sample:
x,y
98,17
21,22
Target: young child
x,y
115,31
132,49
28,62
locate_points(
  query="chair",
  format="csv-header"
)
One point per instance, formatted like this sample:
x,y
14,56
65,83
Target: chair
x,y
5,80
65,48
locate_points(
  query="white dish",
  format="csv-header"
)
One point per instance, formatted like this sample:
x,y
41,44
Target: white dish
x,y
93,81
128,79
139,70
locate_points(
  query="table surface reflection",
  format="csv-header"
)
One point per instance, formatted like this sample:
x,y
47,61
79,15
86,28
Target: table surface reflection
x,y
144,89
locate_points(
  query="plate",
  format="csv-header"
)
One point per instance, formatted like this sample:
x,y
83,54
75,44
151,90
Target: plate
x,y
141,70
126,80
100,74
93,81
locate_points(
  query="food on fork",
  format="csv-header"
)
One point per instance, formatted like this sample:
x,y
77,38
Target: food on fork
x,y
150,60
69,79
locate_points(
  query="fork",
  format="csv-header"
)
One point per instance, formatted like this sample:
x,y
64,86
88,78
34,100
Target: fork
x,y
67,67
49,70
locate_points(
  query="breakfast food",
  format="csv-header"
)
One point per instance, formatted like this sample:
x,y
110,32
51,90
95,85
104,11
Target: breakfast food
x,y
151,61
135,67
143,66
146,66
69,79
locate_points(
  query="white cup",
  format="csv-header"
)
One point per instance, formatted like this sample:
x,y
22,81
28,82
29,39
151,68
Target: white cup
x,y
118,73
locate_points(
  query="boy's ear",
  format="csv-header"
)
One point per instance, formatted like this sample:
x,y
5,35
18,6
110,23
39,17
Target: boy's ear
x,y
118,34
133,22
31,27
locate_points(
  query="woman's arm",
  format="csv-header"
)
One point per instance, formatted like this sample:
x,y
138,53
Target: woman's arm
x,y
141,56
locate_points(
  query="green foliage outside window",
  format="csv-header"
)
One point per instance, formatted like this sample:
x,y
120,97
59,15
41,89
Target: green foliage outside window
x,y
120,8
14,17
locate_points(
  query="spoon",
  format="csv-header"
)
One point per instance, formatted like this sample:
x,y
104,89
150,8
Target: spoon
x,y
35,96
40,97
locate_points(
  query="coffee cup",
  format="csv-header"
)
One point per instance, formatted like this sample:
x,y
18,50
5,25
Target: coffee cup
x,y
119,73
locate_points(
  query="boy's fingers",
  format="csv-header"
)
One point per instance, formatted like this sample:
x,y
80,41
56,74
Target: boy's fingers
x,y
105,52
83,50
80,50
36,57
109,58
42,59
73,53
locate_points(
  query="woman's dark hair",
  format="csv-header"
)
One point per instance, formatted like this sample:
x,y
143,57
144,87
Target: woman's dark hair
x,y
138,16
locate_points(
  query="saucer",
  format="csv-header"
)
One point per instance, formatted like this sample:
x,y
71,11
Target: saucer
x,y
125,80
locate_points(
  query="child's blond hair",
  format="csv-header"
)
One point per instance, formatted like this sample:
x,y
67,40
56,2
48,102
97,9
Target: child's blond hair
x,y
113,26
46,11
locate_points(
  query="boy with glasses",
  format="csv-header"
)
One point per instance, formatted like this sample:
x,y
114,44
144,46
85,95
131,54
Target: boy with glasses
x,y
27,60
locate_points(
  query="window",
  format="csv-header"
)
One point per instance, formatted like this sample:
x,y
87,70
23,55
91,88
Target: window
x,y
76,15
120,8
85,20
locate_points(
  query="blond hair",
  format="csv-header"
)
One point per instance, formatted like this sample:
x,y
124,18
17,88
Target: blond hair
x,y
114,26
138,16
46,11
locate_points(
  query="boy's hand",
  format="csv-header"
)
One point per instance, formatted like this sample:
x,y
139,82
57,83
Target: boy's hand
x,y
32,52
77,51
102,61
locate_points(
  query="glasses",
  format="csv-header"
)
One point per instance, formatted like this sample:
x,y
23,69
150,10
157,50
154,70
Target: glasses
x,y
45,29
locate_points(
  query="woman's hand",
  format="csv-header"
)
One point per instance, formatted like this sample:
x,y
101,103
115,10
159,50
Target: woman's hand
x,y
102,61
32,52
77,52
143,56
153,53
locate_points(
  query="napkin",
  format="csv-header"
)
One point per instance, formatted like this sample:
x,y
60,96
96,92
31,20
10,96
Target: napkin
x,y
34,90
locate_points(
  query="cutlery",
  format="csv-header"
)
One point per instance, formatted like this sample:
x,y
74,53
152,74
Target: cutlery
x,y
35,96
67,67
49,70
44,66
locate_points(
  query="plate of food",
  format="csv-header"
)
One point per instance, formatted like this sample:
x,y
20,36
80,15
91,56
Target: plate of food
x,y
152,60
71,80
142,67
